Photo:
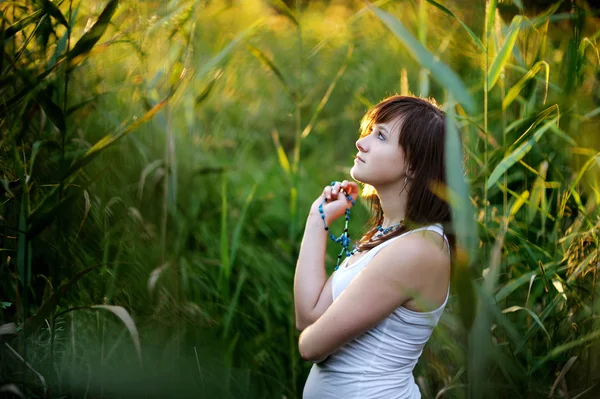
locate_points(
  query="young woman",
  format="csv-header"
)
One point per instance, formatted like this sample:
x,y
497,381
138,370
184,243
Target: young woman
x,y
365,327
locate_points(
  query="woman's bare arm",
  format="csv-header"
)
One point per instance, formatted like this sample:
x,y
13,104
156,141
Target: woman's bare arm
x,y
312,290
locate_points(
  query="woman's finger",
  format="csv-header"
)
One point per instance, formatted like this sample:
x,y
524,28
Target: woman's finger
x,y
336,188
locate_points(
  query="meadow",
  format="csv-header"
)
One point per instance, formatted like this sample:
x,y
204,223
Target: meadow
x,y
158,160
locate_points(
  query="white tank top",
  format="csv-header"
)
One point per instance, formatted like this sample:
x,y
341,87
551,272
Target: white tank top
x,y
378,363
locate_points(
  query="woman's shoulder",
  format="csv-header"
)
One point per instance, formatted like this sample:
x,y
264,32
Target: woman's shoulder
x,y
428,247
430,237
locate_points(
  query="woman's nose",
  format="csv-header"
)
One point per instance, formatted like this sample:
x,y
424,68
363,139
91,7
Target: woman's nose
x,y
359,145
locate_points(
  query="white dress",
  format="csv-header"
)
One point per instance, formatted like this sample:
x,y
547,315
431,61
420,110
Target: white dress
x,y
380,362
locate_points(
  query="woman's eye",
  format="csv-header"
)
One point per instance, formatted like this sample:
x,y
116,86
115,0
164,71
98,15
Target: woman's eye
x,y
379,135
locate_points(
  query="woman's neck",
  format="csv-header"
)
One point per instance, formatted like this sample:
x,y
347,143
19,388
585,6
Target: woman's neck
x,y
393,202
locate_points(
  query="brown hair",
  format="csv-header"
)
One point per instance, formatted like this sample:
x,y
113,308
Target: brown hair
x,y
423,138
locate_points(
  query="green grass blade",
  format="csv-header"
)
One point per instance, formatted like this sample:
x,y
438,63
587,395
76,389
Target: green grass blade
x,y
125,317
467,29
537,192
22,24
440,71
54,112
513,285
54,11
231,308
36,148
281,155
540,19
565,347
558,132
203,96
225,271
504,53
491,7
519,203
91,37
39,221
325,98
240,224
516,89
2,42
533,316
111,139
518,153
49,306
571,189
283,8
223,54
262,57
463,221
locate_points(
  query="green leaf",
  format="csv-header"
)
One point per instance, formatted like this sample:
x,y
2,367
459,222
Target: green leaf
x,y
532,314
82,104
463,220
225,271
231,308
52,110
540,19
39,220
565,347
325,98
281,155
537,192
469,31
108,140
491,6
54,11
504,53
518,153
223,54
519,203
283,8
240,223
2,42
516,89
262,57
35,149
61,45
91,37
22,24
37,320
440,71
22,242
208,88
5,305
513,285
122,314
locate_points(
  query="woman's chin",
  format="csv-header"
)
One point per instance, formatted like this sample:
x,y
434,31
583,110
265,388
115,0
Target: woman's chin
x,y
356,175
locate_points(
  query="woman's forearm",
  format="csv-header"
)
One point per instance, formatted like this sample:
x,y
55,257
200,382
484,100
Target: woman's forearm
x,y
310,276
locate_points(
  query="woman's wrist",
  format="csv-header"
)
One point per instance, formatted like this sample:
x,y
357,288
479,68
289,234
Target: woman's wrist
x,y
315,217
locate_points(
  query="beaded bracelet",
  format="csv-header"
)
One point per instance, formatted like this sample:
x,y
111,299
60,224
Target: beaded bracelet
x,y
343,239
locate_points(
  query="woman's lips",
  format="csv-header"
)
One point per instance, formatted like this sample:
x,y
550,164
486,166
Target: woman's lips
x,y
359,159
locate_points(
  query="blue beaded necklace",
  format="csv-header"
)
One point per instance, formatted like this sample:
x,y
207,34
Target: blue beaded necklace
x,y
344,238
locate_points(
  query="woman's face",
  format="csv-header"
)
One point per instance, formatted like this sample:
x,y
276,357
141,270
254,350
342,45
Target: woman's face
x,y
380,160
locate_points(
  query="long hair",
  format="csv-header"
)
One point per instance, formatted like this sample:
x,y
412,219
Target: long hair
x,y
423,138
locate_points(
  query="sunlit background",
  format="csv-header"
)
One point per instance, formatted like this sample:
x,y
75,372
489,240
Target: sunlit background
x,y
158,160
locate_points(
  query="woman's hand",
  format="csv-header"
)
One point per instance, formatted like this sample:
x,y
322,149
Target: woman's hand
x,y
337,201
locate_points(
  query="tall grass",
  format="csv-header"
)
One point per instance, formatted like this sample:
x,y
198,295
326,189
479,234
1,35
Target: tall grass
x,y
158,160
